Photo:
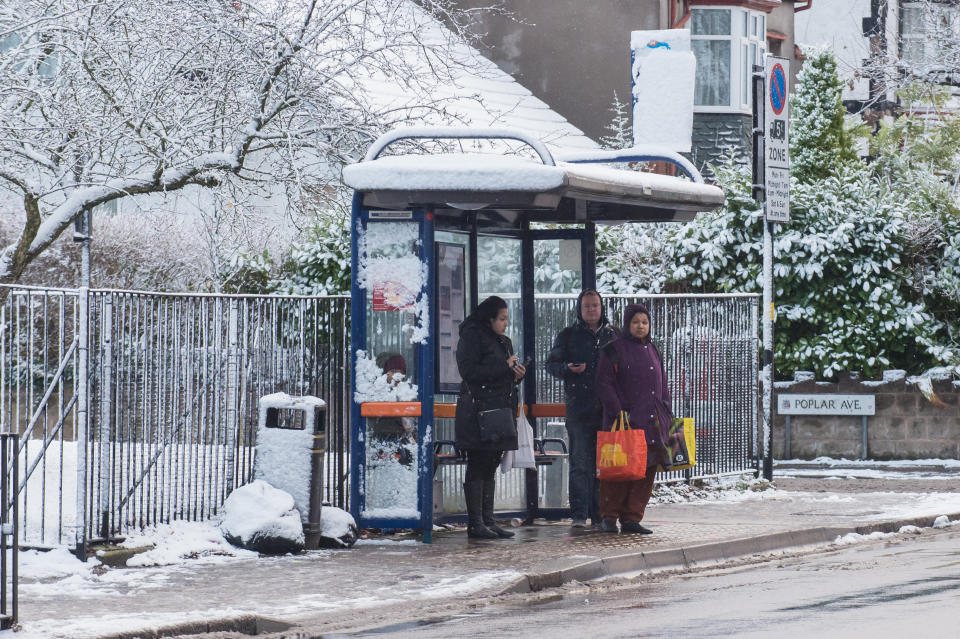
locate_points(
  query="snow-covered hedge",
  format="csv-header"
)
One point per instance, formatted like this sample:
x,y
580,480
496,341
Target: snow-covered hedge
x,y
866,272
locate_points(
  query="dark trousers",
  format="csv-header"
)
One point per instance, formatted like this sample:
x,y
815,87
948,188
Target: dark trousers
x,y
482,464
582,487
626,500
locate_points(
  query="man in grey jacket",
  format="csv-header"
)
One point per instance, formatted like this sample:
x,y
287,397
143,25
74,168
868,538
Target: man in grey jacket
x,y
573,359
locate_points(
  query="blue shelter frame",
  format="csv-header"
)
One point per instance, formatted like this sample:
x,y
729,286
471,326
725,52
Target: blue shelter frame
x,y
491,200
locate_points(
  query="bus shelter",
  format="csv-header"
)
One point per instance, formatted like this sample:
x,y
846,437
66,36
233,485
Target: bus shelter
x,y
435,233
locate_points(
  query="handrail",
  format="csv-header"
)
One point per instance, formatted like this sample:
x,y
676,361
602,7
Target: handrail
x,y
46,444
646,153
42,406
457,133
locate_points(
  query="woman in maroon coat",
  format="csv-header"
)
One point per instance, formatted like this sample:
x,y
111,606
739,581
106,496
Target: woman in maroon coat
x,y
631,377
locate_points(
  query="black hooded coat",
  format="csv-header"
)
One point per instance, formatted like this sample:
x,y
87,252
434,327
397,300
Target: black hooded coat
x,y
577,344
488,383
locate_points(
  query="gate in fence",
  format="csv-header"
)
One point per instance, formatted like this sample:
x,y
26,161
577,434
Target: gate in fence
x,y
134,408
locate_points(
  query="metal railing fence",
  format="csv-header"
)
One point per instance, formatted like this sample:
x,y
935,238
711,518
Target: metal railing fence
x,y
709,344
165,429
137,408
39,347
9,549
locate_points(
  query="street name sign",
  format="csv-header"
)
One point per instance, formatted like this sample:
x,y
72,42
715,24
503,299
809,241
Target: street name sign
x,y
816,404
776,157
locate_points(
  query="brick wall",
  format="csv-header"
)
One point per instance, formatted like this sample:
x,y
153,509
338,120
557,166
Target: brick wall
x,y
907,424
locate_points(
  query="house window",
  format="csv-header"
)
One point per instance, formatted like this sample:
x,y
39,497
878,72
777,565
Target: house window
x,y
929,34
727,43
109,209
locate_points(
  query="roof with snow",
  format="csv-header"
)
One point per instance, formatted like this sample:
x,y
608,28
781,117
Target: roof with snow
x,y
483,96
511,188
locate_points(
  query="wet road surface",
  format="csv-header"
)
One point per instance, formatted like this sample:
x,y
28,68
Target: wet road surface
x,y
902,586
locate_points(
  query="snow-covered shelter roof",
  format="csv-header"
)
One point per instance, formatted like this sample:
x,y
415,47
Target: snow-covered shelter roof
x,y
542,189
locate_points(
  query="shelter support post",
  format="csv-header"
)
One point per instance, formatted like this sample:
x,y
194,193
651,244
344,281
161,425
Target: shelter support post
x,y
425,387
358,338
531,483
588,255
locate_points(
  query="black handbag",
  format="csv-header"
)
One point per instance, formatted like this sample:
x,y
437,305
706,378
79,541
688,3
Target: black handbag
x,y
496,425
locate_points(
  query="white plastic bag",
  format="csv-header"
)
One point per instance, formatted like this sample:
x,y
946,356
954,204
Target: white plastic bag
x,y
506,462
523,457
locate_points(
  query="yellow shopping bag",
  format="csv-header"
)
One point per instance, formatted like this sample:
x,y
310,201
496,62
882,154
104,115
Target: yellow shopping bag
x,y
682,443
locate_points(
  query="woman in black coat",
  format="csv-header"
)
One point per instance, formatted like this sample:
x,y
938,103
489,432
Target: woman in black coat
x,y
490,373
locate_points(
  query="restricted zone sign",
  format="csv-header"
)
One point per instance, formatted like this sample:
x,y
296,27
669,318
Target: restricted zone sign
x,y
777,140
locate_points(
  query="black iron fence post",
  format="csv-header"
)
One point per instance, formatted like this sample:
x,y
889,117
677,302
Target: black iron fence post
x,y
8,531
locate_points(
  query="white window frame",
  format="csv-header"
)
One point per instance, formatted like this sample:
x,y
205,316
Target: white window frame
x,y
929,44
742,36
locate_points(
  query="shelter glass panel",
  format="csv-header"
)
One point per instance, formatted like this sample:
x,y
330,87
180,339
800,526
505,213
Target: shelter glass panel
x,y
452,304
557,266
498,272
394,280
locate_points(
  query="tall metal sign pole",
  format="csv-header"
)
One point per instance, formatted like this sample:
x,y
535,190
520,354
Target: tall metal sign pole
x,y
771,155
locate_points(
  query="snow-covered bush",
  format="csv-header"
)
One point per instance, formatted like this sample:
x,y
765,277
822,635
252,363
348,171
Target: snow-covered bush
x,y
128,251
634,258
855,286
819,140
247,273
917,157
844,298
320,263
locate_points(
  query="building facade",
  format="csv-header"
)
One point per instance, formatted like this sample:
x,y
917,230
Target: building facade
x,y
729,38
882,45
575,56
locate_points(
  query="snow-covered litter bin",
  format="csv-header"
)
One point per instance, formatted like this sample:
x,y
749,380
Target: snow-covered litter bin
x,y
291,444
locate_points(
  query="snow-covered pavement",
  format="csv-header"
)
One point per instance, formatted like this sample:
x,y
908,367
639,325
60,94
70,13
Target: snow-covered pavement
x,y
193,575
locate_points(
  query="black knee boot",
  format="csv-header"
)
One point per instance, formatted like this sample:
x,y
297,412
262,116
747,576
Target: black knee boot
x,y
473,493
489,488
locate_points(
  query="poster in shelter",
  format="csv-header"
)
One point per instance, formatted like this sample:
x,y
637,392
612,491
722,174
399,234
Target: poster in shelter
x,y
392,296
451,311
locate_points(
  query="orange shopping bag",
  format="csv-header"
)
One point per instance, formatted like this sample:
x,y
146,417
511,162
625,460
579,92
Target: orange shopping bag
x,y
621,452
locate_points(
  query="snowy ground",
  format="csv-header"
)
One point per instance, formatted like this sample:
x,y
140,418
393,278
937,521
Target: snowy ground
x,y
185,574
923,476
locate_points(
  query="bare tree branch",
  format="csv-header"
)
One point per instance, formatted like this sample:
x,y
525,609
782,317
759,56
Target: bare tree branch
x,y
103,100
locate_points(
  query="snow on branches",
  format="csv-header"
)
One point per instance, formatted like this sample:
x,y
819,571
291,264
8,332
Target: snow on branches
x,y
106,99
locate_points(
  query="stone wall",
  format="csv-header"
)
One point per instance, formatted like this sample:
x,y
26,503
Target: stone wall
x,y
909,423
